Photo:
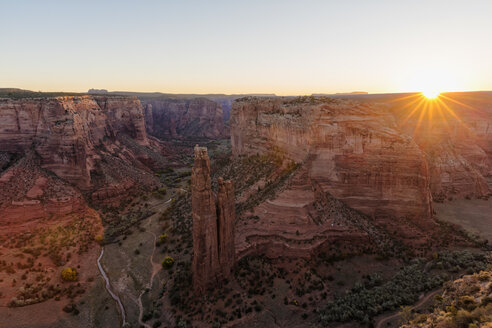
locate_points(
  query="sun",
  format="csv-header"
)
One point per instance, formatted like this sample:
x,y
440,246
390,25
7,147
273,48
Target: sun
x,y
431,94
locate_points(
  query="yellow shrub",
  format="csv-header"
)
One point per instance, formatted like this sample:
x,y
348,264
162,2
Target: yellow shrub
x,y
163,238
99,238
69,274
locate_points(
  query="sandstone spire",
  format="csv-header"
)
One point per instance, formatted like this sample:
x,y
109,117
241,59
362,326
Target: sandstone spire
x,y
205,255
226,216
213,225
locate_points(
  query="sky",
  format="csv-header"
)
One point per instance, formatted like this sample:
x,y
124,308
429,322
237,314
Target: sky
x,y
234,46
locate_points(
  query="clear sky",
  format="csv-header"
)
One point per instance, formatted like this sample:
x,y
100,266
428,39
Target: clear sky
x,y
229,46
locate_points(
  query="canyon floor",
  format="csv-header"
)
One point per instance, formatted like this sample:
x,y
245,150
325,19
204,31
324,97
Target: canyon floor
x,y
471,214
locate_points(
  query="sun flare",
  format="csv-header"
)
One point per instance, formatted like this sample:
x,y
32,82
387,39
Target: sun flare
x,y
431,94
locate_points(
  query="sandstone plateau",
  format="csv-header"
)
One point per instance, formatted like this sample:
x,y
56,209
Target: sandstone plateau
x,y
360,177
354,151
455,133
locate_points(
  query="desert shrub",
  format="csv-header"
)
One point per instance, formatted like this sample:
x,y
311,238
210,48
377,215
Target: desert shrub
x,y
69,274
402,289
168,262
99,238
163,238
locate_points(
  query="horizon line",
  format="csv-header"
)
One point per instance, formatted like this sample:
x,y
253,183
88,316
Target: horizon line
x,y
339,93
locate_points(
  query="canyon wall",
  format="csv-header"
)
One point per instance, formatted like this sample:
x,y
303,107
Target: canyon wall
x,y
183,118
354,151
66,132
455,132
28,193
213,225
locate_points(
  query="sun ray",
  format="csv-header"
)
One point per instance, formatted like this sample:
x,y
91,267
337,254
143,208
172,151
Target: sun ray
x,y
449,110
422,114
430,112
458,102
414,95
413,111
444,118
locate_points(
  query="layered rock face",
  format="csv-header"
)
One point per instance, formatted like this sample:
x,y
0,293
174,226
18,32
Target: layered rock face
x,y
65,146
354,151
66,131
205,247
226,216
182,118
455,132
213,225
28,192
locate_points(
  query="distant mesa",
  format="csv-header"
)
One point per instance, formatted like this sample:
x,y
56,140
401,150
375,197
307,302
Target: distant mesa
x,y
341,93
97,91
353,93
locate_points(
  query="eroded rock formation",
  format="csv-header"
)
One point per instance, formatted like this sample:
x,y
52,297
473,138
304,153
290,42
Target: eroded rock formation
x,y
226,216
361,184
455,132
355,151
28,192
66,131
213,225
95,145
205,247
182,118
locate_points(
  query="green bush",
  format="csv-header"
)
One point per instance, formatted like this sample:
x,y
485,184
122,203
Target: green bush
x,y
168,262
163,238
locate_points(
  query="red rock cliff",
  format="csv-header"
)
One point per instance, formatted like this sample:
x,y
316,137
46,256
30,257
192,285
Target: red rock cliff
x,y
455,132
181,118
66,131
355,152
226,216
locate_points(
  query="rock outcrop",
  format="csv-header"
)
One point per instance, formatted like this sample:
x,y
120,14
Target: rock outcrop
x,y
66,132
226,216
28,193
92,145
455,133
355,151
183,118
205,247
213,225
